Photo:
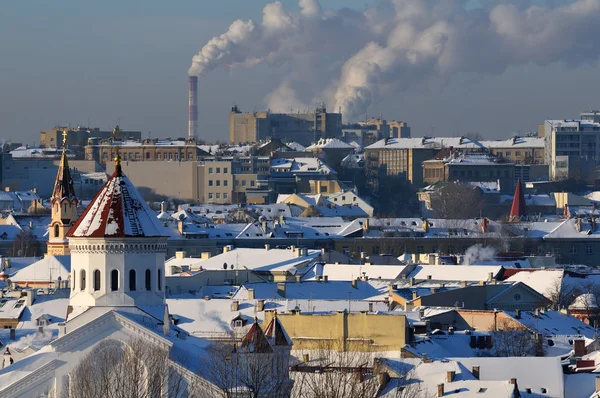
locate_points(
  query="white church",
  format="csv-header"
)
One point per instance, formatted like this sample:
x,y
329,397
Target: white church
x,y
117,332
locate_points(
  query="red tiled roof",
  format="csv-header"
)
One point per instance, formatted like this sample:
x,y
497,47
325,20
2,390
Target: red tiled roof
x,y
518,208
118,210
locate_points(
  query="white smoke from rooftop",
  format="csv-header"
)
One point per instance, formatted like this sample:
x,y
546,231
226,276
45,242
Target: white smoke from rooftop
x,y
353,59
478,253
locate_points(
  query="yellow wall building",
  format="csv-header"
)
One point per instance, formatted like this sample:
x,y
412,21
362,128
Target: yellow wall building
x,y
345,331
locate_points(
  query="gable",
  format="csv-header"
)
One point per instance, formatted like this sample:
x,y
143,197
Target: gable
x,y
519,296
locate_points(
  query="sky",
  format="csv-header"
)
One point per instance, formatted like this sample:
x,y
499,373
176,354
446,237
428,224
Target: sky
x,y
126,62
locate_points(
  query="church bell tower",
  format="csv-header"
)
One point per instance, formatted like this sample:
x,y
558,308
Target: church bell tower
x,y
64,207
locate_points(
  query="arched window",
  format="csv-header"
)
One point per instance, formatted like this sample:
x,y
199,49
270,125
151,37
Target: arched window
x,y
96,280
114,280
159,282
82,278
132,280
56,230
148,281
73,280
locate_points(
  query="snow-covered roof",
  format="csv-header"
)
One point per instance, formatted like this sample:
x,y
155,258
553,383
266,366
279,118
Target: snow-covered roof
x,y
34,152
457,142
330,143
283,260
586,302
118,210
294,146
301,165
335,290
48,269
543,281
535,373
350,272
467,273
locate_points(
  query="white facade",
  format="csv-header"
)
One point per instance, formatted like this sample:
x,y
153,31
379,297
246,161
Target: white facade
x,y
117,271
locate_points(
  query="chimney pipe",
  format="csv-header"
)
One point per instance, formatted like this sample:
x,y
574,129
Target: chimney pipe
x,y
192,107
475,372
440,390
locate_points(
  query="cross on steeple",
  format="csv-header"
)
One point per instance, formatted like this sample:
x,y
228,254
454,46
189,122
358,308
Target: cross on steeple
x,y
64,134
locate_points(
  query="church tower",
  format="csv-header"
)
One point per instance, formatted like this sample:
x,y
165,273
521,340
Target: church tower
x,y
64,207
118,249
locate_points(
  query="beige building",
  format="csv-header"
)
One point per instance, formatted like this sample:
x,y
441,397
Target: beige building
x,y
149,150
388,128
215,182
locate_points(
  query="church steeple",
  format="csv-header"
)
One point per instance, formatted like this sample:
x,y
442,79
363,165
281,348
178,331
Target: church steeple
x,y
64,207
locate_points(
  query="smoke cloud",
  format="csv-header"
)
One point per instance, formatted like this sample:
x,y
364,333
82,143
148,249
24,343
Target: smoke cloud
x,y
478,253
353,59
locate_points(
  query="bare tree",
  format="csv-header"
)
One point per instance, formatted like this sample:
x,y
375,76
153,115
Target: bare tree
x,y
335,370
25,245
115,369
254,373
560,295
457,201
514,340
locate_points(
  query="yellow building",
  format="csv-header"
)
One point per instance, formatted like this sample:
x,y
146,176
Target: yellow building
x,y
345,331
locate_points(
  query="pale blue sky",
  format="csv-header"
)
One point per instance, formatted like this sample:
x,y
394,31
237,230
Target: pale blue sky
x,y
71,61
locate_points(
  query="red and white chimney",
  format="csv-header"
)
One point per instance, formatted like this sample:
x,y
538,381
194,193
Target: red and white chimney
x,y
192,107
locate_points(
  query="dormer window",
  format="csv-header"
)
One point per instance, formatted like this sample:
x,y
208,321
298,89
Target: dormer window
x,y
238,323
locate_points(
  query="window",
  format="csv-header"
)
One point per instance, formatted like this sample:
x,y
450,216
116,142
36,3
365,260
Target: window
x,y
82,280
252,183
148,281
210,195
132,280
420,249
218,183
210,170
114,280
147,155
518,153
218,195
225,183
73,279
210,183
238,323
225,170
218,170
244,183
96,280
588,249
517,297
537,154
56,231
507,154
225,196
158,280
159,156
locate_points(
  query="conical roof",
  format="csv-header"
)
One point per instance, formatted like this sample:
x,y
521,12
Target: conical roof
x,y
63,185
256,341
276,334
518,208
117,211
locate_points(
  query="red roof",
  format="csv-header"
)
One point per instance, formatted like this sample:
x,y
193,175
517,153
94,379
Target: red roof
x,y
117,211
276,333
256,341
518,208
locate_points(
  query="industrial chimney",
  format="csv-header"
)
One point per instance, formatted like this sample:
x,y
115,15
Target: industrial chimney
x,y
193,107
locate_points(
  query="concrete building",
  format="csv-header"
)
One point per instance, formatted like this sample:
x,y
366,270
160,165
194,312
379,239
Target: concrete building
x,y
567,140
388,129
303,128
79,135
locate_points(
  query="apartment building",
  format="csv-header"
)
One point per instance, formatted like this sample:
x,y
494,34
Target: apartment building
x,y
79,136
569,140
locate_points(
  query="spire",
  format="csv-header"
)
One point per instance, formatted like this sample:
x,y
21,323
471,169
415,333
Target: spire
x,y
118,170
518,209
63,186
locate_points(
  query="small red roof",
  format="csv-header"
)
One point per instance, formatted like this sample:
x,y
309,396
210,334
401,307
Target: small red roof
x,y
117,211
518,208
256,341
276,334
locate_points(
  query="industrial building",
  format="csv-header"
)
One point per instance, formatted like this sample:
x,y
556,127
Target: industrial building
x,y
303,128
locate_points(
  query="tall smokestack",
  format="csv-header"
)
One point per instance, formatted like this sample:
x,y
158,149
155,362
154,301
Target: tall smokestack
x,y
193,107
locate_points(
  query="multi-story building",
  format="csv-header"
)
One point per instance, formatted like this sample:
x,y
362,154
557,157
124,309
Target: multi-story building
x,y
79,136
470,167
567,140
148,150
303,128
388,128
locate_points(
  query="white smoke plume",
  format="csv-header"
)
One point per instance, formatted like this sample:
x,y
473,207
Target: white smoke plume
x,y
478,253
354,58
